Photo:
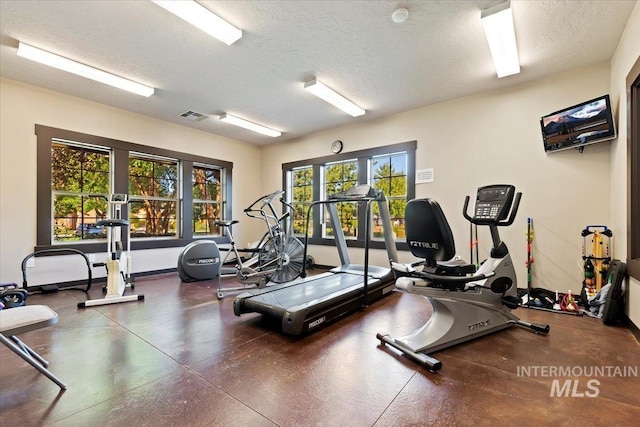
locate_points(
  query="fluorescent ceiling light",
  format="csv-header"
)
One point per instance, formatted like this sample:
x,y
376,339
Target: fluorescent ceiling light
x,y
237,121
53,60
498,26
201,17
322,91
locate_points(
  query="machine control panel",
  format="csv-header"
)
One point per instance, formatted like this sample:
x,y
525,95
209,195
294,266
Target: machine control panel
x,y
493,203
357,192
119,198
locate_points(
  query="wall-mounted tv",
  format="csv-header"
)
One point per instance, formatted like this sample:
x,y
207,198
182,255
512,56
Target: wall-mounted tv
x,y
582,124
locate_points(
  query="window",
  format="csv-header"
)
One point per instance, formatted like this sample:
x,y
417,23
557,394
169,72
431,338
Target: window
x,y
153,195
207,199
77,172
300,190
389,174
387,168
338,177
165,200
633,185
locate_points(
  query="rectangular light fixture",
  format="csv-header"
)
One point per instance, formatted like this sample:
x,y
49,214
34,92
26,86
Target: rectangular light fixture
x,y
498,27
322,91
201,17
237,121
64,64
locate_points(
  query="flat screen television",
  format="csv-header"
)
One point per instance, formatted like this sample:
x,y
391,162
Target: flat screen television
x,y
579,125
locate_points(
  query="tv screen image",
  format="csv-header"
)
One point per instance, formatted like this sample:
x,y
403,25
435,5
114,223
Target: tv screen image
x,y
582,124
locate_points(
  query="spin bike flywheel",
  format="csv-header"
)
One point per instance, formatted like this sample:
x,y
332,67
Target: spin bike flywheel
x,y
283,257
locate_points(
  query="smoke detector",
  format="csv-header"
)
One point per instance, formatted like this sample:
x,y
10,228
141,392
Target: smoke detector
x,y
400,15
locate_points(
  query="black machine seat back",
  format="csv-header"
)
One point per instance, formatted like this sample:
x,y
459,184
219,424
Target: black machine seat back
x,y
428,233
430,238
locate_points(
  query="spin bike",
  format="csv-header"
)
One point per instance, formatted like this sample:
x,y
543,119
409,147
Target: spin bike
x,y
278,256
118,263
467,304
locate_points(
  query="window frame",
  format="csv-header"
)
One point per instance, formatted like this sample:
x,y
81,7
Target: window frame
x,y
136,198
633,171
222,202
120,159
363,157
81,193
289,178
324,184
391,197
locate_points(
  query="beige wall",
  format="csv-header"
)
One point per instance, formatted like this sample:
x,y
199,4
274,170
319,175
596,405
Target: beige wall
x,y
462,141
492,137
23,106
624,58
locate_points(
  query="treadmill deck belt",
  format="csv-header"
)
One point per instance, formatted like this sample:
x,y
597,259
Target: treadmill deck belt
x,y
303,305
312,290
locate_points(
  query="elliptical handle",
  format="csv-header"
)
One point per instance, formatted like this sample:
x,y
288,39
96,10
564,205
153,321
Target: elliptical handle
x,y
464,209
285,203
263,201
514,211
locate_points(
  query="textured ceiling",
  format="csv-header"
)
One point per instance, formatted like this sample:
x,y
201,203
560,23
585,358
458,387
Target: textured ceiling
x,y
439,53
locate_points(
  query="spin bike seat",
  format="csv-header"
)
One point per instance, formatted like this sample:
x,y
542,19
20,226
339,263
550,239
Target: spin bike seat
x,y
221,223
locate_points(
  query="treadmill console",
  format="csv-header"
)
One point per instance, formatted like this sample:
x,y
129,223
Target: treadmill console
x,y
119,198
493,203
357,192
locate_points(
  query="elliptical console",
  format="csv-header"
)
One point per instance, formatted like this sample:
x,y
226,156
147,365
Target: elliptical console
x,y
493,203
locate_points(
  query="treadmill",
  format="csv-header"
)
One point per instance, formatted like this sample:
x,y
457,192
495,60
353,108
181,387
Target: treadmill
x,y
307,303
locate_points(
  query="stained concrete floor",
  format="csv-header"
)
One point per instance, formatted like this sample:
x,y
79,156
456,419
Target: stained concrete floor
x,y
182,358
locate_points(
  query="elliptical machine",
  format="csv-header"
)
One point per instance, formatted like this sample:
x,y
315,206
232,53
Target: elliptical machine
x,y
467,304
118,263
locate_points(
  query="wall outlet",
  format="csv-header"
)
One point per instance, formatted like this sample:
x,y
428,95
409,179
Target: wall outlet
x,y
31,262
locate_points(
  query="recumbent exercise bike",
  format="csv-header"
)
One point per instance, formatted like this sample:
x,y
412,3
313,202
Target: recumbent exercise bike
x,y
467,304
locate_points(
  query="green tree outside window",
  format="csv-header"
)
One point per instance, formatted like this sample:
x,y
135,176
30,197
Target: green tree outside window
x,y
389,174
76,173
153,191
302,189
207,200
341,177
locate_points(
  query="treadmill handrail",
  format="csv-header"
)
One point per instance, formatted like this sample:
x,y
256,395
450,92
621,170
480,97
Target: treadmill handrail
x,y
351,199
325,202
303,274
381,198
333,303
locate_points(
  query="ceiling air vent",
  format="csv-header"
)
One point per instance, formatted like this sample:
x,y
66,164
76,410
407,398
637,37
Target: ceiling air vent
x,y
194,116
